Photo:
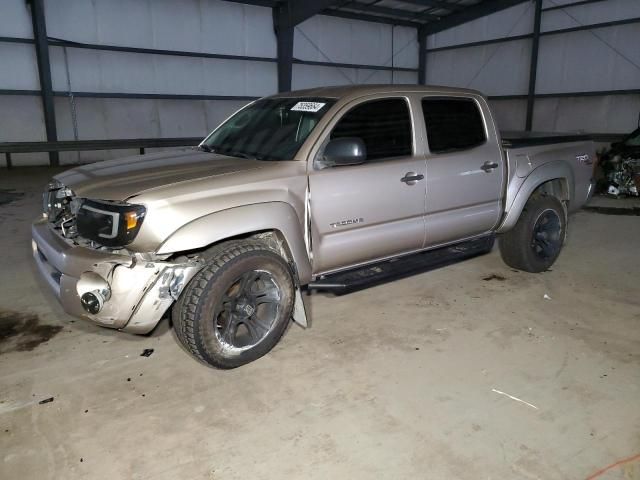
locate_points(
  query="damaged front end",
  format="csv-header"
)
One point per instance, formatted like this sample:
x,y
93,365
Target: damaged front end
x,y
110,286
623,176
169,280
620,167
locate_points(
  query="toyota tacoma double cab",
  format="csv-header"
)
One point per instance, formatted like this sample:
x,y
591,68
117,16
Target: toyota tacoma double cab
x,y
330,188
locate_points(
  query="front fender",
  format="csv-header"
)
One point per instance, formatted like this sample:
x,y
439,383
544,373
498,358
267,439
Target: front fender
x,y
549,171
232,222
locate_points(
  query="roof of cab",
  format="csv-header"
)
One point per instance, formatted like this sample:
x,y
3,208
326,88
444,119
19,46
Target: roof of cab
x,y
355,91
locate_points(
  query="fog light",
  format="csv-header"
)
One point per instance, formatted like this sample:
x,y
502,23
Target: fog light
x,y
93,291
92,302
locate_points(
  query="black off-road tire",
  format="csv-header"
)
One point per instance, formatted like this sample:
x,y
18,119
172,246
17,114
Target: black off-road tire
x,y
193,313
516,245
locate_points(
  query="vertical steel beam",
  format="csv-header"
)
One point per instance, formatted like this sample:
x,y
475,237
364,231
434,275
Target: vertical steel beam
x,y
533,68
422,56
44,72
284,39
285,58
286,15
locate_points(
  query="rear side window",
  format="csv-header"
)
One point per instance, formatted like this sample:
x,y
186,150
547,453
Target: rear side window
x,y
452,124
383,125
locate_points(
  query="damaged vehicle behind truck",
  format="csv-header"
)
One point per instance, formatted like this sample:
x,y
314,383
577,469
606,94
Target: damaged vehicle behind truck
x,y
620,166
332,188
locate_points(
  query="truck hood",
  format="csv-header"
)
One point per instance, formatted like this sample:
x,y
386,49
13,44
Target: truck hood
x,y
125,177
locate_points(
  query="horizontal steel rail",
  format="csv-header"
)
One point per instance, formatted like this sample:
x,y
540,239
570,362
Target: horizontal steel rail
x,y
569,5
595,93
579,28
353,65
85,145
163,96
157,96
481,43
55,42
88,145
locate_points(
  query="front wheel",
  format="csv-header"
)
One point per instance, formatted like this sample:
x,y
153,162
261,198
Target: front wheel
x,y
237,307
534,244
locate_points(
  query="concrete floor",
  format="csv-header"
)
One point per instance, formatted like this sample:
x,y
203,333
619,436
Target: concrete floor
x,y
398,381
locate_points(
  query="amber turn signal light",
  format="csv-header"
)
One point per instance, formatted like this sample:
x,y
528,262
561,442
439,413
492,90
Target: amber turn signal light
x,y
131,220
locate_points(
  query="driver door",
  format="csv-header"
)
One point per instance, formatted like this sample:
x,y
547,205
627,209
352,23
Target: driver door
x,y
361,213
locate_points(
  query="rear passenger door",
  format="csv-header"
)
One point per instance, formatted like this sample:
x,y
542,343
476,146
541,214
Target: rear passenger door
x,y
365,212
465,169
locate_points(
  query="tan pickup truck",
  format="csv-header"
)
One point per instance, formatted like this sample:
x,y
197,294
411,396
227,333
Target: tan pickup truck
x,y
331,188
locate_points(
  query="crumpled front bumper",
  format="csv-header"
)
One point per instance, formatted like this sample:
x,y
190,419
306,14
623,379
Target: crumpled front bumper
x,y
140,291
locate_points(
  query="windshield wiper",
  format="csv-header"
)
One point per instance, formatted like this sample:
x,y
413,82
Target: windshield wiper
x,y
235,153
231,153
242,155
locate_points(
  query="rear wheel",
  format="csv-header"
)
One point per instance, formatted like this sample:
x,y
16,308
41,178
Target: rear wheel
x,y
534,244
237,307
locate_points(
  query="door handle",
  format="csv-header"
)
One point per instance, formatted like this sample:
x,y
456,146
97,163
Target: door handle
x,y
489,166
410,178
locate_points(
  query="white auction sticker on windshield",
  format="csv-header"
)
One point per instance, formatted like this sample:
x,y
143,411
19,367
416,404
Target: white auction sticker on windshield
x,y
307,106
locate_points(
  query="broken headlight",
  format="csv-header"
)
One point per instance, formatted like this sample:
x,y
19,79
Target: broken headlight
x,y
56,201
112,224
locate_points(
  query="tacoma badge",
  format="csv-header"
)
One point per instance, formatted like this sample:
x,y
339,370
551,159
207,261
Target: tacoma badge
x,y
344,223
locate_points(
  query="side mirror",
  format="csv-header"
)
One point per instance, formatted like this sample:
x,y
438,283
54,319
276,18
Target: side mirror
x,y
345,151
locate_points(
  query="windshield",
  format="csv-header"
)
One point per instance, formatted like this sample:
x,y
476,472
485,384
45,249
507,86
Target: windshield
x,y
268,129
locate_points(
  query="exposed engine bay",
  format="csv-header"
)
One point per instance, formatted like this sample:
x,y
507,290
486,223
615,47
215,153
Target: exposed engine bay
x,y
60,207
99,285
623,177
620,167
97,224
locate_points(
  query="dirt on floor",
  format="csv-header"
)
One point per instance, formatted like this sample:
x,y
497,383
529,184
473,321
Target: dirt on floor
x,y
474,371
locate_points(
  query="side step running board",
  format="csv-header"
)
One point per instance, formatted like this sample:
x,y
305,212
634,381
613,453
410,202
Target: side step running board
x,y
389,270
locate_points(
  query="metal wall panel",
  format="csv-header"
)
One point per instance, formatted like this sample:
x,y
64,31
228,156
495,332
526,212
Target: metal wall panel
x,y
143,118
118,72
410,78
588,60
497,69
192,25
309,76
332,39
509,114
405,47
15,19
18,68
21,119
599,12
517,20
606,114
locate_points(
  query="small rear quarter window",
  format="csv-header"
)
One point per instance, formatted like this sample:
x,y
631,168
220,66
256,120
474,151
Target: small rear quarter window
x,y
453,124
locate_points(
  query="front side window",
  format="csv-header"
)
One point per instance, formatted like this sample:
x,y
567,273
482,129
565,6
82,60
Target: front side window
x,y
269,129
383,125
453,124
